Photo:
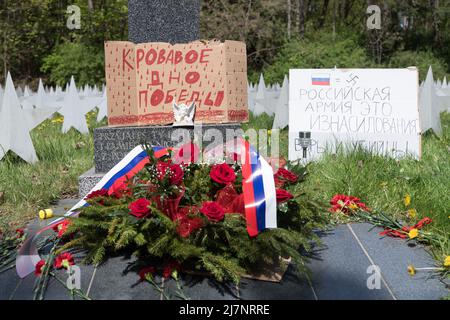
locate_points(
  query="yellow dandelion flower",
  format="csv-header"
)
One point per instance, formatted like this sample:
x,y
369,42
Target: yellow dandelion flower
x,y
414,233
407,200
412,213
447,262
411,270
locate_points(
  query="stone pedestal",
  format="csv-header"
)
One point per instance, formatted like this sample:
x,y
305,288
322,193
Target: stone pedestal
x,y
112,144
174,21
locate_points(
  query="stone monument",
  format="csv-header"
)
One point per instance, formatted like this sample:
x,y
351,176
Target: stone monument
x,y
173,21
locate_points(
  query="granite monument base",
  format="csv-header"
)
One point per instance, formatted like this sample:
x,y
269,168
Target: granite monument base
x,y
112,144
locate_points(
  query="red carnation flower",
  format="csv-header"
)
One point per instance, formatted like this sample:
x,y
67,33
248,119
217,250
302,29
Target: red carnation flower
x,y
213,211
283,196
20,232
64,260
140,208
286,175
97,194
188,153
169,268
61,228
38,268
145,271
343,203
222,173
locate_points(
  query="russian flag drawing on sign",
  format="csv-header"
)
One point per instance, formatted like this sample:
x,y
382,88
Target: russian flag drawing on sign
x,y
320,79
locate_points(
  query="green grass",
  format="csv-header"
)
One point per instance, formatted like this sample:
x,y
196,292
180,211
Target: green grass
x,y
29,188
383,182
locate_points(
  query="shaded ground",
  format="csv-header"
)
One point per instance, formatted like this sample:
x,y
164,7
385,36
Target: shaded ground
x,y
339,270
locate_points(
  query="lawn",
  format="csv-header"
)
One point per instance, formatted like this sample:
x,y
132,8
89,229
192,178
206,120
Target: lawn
x,y
381,182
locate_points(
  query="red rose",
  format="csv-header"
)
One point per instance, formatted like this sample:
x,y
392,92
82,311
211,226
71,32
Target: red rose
x,y
176,174
174,171
145,271
188,153
188,225
64,260
140,208
222,173
97,194
169,268
283,196
279,183
61,228
213,211
38,268
286,175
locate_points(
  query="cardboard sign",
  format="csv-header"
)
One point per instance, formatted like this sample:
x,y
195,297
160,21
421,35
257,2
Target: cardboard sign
x,y
337,109
144,80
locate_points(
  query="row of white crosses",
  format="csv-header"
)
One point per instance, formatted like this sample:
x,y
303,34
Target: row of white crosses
x,y
434,99
272,100
18,116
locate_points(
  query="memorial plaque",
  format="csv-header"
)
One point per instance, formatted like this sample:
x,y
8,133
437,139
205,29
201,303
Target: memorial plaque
x,y
344,109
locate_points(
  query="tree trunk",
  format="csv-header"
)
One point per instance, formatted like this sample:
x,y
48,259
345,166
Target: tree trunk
x,y
289,18
436,23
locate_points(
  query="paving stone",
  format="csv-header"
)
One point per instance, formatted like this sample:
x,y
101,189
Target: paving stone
x,y
201,288
25,288
290,288
64,205
393,257
339,269
9,281
117,279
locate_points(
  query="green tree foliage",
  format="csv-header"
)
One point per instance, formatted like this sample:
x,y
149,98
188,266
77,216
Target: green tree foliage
x,y
317,52
420,59
32,30
87,69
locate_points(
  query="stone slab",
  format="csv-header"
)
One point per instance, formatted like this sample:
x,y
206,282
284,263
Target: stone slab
x,y
290,288
339,269
201,288
112,144
9,281
174,21
118,279
393,257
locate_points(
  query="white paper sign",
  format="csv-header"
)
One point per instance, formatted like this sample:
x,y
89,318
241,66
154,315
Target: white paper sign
x,y
344,109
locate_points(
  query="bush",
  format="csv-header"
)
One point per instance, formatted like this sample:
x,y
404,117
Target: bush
x,y
421,59
319,51
85,63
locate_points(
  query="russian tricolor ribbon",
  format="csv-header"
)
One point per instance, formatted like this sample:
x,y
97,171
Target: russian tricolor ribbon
x,y
258,188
